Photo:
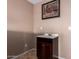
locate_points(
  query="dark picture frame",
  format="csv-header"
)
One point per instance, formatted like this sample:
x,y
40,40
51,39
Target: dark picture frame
x,y
51,9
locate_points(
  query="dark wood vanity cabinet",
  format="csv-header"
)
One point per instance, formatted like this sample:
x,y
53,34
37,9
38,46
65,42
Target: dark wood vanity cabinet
x,y
47,47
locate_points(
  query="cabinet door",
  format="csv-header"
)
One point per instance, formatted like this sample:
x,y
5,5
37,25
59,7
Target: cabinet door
x,y
44,49
48,50
39,50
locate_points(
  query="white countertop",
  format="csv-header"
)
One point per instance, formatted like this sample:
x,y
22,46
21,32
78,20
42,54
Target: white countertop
x,y
47,36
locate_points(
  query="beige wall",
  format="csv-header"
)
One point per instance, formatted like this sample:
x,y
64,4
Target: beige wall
x,y
20,16
55,25
19,26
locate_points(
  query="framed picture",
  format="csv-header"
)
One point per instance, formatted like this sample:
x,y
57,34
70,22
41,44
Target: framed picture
x,y
51,9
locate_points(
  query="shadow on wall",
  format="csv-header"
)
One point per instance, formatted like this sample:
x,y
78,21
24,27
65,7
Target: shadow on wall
x,y
16,42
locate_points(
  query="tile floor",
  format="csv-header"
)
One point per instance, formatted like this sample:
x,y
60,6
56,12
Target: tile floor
x,y
30,55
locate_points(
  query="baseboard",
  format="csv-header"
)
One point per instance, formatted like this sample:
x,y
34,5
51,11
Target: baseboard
x,y
10,56
23,53
58,57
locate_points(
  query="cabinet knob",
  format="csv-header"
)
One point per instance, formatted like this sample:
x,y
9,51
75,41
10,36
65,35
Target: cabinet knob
x,y
43,44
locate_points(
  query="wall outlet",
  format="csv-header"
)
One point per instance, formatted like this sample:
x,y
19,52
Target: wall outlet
x,y
41,28
26,45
